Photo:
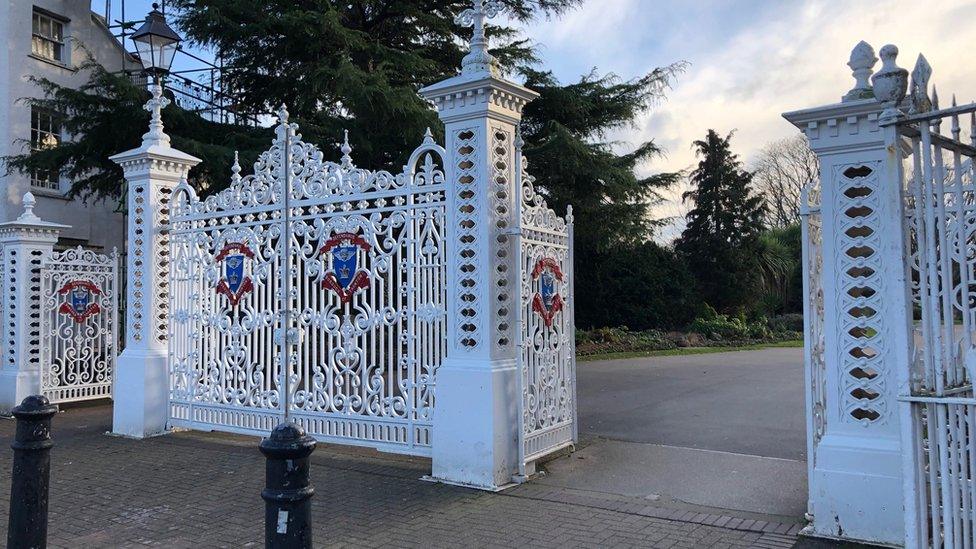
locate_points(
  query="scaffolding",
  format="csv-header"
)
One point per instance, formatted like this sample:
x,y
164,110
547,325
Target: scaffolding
x,y
202,89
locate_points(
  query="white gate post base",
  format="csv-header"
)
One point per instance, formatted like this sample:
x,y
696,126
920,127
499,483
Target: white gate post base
x,y
142,377
474,425
141,394
857,490
15,386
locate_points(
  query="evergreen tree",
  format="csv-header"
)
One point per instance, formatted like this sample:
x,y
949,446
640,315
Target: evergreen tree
x,y
564,131
721,241
358,66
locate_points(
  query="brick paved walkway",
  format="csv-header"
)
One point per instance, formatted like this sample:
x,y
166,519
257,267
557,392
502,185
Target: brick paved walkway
x,y
203,490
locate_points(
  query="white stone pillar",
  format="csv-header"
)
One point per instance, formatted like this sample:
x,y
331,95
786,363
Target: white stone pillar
x,y
475,437
141,378
24,243
856,491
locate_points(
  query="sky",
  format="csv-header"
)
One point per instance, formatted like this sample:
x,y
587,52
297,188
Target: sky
x,y
749,61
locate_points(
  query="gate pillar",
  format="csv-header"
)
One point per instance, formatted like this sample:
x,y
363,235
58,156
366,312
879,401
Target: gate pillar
x,y
25,242
475,420
856,485
151,171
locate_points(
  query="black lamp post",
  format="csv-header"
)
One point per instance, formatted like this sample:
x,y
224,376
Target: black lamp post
x,y
156,43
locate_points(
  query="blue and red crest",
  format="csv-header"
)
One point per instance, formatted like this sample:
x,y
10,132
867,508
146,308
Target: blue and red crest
x,y
547,301
345,278
235,284
80,296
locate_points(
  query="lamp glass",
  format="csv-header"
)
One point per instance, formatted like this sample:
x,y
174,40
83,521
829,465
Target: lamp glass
x,y
156,52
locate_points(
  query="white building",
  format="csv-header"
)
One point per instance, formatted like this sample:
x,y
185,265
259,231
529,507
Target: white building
x,y
45,39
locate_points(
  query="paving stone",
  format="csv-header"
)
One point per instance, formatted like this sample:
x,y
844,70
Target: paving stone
x,y
203,490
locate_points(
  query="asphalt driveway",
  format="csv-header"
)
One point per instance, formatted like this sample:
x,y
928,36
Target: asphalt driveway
x,y
716,433
746,402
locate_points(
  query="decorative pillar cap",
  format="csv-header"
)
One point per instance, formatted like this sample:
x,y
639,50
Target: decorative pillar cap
x,y
479,90
155,142
478,61
469,96
29,203
29,221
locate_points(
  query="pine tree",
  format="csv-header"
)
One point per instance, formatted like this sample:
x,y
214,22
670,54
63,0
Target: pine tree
x,y
721,241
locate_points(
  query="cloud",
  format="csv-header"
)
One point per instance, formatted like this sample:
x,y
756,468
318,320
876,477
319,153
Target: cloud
x,y
750,60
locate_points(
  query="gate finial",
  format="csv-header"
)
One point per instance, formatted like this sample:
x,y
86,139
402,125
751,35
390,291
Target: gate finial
x,y
235,170
155,106
478,60
890,83
862,63
920,86
346,149
29,203
936,123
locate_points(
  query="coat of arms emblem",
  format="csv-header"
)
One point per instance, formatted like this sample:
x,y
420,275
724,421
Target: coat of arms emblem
x,y
345,278
547,301
79,299
235,283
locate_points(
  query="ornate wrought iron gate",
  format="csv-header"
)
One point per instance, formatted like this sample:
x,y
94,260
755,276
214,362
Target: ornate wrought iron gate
x,y
79,324
814,363
547,384
325,303
941,217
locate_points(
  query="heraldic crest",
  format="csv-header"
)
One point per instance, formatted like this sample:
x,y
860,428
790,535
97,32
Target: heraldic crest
x,y
547,301
234,284
344,277
79,304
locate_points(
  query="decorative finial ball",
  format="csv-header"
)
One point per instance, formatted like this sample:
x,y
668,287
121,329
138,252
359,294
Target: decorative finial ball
x,y
155,6
888,53
890,83
29,200
862,56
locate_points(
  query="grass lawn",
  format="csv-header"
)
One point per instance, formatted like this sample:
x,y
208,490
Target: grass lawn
x,y
689,351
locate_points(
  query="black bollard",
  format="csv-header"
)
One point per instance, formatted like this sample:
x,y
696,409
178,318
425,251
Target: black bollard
x,y
287,493
31,475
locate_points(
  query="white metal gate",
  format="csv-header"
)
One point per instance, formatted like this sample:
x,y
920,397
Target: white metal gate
x,y
341,279
79,324
547,382
941,208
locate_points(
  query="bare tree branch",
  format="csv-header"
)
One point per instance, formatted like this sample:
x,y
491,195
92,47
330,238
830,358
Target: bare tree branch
x,y
781,169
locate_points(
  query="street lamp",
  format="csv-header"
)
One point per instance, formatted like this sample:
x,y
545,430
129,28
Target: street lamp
x,y
156,43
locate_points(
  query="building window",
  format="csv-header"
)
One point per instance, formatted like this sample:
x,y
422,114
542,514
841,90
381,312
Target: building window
x,y
45,134
48,39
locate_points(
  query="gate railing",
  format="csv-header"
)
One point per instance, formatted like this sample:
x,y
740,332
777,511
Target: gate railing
x,y
326,305
546,385
941,207
79,324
